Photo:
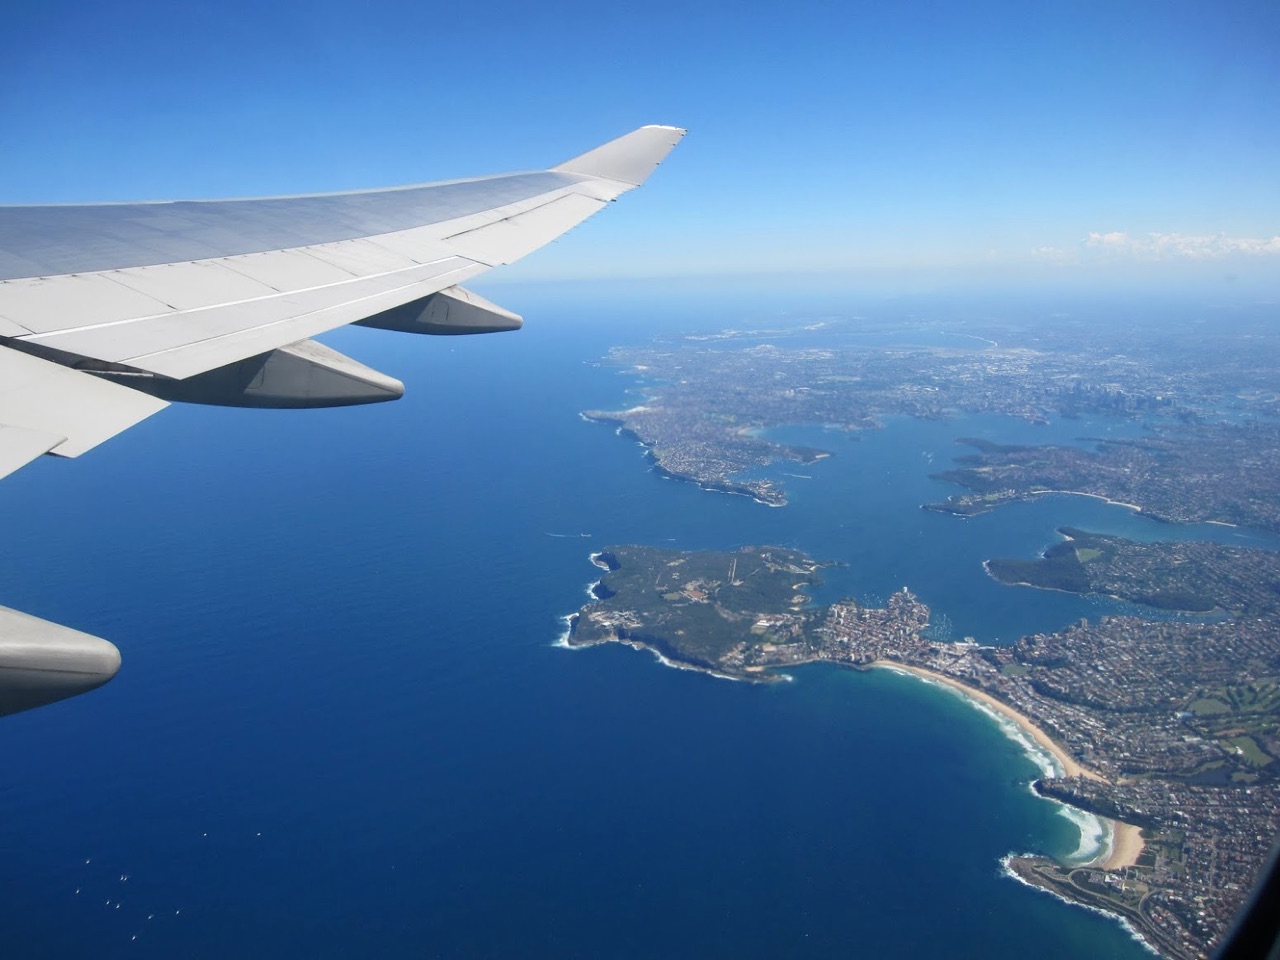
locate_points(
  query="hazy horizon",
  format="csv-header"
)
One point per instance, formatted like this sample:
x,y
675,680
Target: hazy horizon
x,y
903,146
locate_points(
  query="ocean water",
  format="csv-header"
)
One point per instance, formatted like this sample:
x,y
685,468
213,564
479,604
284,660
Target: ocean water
x,y
343,729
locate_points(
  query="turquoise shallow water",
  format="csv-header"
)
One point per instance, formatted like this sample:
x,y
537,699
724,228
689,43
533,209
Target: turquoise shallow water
x,y
343,728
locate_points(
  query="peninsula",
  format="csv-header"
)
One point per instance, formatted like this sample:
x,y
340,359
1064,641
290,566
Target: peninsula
x,y
1187,473
1184,575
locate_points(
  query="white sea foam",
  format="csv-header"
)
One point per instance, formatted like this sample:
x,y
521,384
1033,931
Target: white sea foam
x,y
1097,835
1045,761
562,641
1129,928
666,662
1042,758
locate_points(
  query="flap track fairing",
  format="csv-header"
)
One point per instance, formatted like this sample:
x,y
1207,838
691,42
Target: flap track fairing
x,y
303,374
450,312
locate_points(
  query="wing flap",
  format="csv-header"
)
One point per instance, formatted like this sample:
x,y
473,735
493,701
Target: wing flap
x,y
250,335
55,401
183,343
19,446
363,257
188,286
47,304
274,298
288,270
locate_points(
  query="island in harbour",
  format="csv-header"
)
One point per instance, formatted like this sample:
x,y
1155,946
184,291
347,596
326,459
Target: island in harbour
x,y
1168,730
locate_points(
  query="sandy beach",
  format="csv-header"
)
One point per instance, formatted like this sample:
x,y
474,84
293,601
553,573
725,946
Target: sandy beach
x,y
1126,846
1126,839
1070,766
1095,496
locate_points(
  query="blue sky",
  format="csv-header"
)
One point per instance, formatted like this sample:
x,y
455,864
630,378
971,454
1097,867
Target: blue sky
x,y
899,143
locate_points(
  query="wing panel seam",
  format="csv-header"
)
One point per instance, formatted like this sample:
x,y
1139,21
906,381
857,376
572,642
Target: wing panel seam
x,y
232,303
303,316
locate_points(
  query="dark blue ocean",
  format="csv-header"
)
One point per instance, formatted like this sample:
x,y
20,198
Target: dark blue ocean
x,y
342,727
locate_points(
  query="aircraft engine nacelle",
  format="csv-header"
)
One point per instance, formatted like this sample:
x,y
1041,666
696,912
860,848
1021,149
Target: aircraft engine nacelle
x,y
41,662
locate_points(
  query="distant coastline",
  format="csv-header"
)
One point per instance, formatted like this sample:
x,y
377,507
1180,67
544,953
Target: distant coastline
x,y
763,492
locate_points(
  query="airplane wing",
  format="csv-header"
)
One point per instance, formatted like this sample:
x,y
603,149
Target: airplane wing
x,y
108,312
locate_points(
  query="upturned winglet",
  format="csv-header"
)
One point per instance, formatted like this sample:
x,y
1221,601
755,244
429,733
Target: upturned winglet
x,y
629,159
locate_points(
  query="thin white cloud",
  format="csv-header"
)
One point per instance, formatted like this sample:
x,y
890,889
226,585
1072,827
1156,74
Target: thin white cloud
x,y
1181,246
1053,255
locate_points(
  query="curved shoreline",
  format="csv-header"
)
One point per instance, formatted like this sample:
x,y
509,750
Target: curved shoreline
x,y
1070,766
1136,508
765,498
1123,844
1127,924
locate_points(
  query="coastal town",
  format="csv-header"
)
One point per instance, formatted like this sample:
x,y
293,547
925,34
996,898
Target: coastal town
x,y
1180,575
1187,473
1165,721
1167,730
704,410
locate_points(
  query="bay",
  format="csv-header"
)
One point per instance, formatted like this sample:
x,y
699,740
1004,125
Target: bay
x,y
343,728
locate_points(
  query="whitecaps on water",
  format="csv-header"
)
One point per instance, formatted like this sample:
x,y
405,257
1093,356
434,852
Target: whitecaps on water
x,y
562,641
1095,832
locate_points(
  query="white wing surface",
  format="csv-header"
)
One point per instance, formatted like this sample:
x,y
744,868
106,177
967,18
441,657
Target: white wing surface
x,y
110,311
172,290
